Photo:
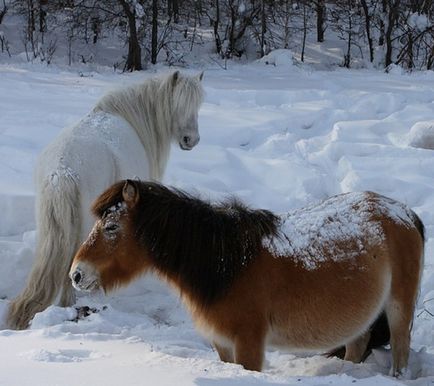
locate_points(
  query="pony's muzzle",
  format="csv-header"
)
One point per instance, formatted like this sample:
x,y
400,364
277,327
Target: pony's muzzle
x,y
84,277
188,142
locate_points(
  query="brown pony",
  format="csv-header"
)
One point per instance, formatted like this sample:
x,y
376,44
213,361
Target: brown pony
x,y
311,279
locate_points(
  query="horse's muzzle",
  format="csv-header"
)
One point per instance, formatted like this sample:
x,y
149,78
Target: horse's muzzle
x,y
84,277
188,143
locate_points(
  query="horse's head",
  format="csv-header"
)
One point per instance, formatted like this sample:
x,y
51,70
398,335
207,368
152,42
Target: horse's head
x,y
187,98
110,256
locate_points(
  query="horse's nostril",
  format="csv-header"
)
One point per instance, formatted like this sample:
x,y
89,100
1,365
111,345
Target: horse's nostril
x,y
76,277
186,140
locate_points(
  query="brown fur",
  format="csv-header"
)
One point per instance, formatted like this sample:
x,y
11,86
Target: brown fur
x,y
266,299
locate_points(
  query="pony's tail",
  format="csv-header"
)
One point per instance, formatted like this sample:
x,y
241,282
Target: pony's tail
x,y
58,225
419,225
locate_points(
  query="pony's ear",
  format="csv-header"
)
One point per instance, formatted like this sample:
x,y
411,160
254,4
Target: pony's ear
x,y
130,194
175,77
200,76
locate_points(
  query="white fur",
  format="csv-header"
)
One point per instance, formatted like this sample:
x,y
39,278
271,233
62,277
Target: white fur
x,y
127,135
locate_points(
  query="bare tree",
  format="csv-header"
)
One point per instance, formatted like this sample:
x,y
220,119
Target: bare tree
x,y
368,8
154,37
320,6
3,11
391,8
345,21
4,43
134,59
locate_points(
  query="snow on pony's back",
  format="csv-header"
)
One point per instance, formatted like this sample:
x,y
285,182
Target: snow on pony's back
x,y
341,225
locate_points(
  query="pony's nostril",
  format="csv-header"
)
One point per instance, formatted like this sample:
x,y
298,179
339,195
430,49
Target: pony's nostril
x,y
186,140
76,276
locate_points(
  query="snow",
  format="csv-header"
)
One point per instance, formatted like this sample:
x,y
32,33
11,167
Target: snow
x,y
420,22
280,57
422,135
279,137
316,234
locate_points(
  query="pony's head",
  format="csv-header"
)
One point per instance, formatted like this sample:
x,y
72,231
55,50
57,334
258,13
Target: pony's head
x,y
111,256
187,98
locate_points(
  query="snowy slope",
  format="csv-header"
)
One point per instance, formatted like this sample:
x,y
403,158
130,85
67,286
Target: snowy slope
x,y
279,137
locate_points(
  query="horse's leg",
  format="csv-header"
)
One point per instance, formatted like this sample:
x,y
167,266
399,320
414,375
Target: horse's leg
x,y
249,350
407,264
226,354
355,350
400,316
379,337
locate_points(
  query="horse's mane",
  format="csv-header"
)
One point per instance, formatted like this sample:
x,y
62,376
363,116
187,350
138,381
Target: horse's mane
x,y
205,246
150,108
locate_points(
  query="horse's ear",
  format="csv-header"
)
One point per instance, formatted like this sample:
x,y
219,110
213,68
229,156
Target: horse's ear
x,y
201,76
175,77
130,194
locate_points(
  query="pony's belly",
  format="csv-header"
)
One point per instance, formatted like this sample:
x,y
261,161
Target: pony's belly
x,y
305,341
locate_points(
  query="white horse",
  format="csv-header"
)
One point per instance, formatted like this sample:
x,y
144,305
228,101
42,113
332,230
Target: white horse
x,y
126,135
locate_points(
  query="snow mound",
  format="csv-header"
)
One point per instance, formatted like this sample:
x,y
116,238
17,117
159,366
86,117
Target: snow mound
x,y
421,135
53,315
395,69
278,58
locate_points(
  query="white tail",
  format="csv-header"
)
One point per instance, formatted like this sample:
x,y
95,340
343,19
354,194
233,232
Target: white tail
x,y
58,239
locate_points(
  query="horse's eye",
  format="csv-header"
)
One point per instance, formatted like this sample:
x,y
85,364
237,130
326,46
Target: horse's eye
x,y
111,227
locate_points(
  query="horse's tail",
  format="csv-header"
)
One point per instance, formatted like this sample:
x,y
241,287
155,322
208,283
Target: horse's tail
x,y
418,224
58,225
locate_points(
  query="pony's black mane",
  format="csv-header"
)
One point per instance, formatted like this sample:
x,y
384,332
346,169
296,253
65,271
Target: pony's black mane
x,y
204,246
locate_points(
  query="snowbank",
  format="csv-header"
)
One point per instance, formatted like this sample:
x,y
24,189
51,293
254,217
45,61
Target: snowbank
x,y
278,139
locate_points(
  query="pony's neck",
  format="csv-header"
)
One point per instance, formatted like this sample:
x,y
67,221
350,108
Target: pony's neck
x,y
202,247
150,120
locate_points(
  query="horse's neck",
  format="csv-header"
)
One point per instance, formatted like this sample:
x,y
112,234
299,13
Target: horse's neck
x,y
153,127
154,136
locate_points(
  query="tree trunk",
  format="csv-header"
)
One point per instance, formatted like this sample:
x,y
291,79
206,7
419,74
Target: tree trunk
x,y
263,28
303,47
3,11
368,29
393,13
154,37
218,42
31,25
42,16
134,61
381,39
95,26
320,19
233,23
173,10
347,61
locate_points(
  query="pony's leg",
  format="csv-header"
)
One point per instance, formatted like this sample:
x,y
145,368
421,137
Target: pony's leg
x,y
249,351
355,350
400,316
226,354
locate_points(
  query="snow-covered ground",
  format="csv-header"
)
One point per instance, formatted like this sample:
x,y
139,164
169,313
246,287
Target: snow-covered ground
x,y
279,137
